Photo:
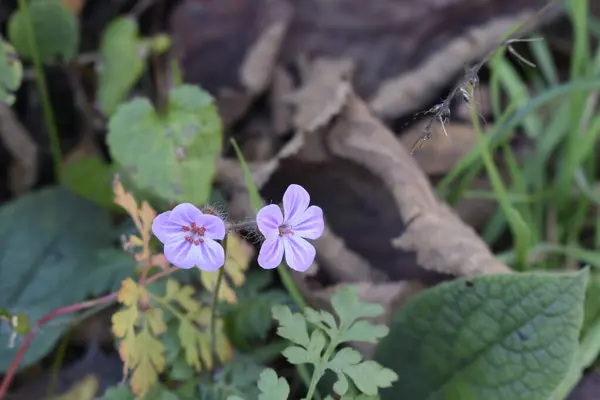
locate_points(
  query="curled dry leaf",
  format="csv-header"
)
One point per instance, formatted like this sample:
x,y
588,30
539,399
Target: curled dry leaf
x,y
405,50
230,47
324,93
439,239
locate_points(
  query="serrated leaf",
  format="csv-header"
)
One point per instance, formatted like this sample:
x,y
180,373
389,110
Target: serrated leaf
x,y
501,336
196,345
364,331
122,63
348,307
320,317
345,356
369,376
172,156
292,326
272,387
56,31
154,317
51,245
316,346
91,178
184,295
239,254
130,292
296,355
342,385
124,322
11,72
150,361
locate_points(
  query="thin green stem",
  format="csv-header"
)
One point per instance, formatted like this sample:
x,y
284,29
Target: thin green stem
x,y
213,306
291,288
165,304
43,89
319,369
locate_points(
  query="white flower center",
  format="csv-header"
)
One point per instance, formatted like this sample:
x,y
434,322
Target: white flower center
x,y
285,229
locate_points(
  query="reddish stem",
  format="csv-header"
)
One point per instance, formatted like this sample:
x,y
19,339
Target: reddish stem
x,y
43,321
10,373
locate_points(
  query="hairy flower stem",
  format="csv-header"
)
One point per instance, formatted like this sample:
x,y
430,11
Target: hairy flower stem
x,y
12,369
213,307
43,89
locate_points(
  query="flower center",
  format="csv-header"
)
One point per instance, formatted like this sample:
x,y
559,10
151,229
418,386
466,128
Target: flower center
x,y
285,230
195,234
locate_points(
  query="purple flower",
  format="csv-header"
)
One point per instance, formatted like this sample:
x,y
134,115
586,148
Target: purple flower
x,y
286,235
189,237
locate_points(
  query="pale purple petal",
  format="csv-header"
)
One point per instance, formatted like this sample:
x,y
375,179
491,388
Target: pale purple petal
x,y
268,220
166,230
215,227
271,253
295,202
177,254
310,223
299,254
185,213
208,256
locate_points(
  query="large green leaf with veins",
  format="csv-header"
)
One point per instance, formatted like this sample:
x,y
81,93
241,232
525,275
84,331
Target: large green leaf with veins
x,y
496,337
172,155
56,249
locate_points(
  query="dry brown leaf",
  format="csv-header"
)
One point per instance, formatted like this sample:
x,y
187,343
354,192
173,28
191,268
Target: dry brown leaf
x,y
405,50
440,240
23,169
204,33
442,152
324,93
281,112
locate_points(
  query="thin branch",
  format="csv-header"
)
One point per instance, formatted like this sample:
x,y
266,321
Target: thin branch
x,y
10,373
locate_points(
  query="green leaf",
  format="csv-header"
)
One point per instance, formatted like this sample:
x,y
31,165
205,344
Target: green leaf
x,y
11,72
292,326
123,63
364,331
118,393
52,240
507,336
91,178
349,308
272,387
367,376
315,346
321,317
296,355
56,31
171,156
